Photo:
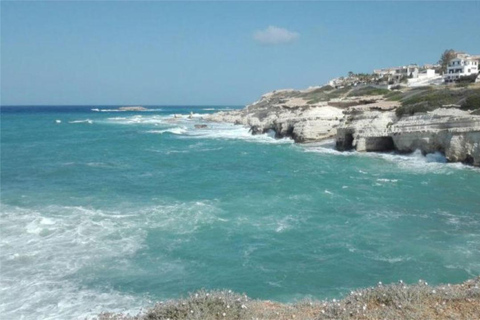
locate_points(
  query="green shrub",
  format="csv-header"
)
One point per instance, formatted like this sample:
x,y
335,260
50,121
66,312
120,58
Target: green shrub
x,y
471,103
368,91
202,305
432,99
436,98
325,88
318,95
467,79
423,88
391,301
411,109
394,96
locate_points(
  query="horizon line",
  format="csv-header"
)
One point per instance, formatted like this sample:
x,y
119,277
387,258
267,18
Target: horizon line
x,y
122,105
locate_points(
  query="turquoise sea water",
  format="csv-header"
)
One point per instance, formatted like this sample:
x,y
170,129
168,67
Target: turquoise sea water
x,y
113,210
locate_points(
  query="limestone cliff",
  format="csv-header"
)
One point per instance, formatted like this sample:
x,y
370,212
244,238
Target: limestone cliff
x,y
453,132
288,115
366,123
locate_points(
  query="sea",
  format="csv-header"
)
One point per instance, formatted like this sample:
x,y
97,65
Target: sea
x,y
108,210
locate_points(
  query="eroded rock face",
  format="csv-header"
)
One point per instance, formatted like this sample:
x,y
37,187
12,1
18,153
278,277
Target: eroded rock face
x,y
454,132
365,131
465,148
287,117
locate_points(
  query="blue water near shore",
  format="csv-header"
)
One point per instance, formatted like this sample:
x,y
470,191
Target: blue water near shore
x,y
114,210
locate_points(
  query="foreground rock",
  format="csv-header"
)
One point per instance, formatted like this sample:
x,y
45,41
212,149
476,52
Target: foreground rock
x,y
394,301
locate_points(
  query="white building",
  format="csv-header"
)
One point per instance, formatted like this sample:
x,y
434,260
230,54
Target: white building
x,y
462,65
384,72
397,73
425,77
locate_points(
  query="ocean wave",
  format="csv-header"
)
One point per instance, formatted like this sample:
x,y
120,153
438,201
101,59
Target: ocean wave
x,y
107,110
415,161
234,132
138,120
176,130
43,249
82,121
152,110
187,128
118,110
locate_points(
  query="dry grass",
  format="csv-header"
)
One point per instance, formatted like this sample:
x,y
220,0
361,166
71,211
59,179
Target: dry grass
x,y
393,301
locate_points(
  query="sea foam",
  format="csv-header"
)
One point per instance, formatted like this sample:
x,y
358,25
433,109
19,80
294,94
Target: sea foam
x,y
415,161
43,249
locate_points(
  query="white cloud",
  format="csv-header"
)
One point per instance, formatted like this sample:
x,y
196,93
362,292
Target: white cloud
x,y
275,35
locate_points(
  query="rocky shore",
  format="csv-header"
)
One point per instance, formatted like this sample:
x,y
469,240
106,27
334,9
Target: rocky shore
x,y
430,119
393,301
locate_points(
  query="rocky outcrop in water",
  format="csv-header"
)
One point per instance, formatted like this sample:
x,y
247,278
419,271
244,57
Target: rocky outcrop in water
x,y
133,108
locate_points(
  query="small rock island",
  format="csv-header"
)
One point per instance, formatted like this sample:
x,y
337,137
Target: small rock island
x,y
133,108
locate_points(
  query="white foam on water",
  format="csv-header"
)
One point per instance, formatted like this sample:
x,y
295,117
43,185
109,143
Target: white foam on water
x,y
186,127
142,120
118,110
42,250
112,110
227,131
152,110
175,130
387,180
82,121
416,161
117,118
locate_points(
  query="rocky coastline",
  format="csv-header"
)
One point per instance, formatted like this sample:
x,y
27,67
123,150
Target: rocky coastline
x,y
391,301
368,119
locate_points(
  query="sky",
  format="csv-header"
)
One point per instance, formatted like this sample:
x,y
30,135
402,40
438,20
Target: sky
x,y
212,53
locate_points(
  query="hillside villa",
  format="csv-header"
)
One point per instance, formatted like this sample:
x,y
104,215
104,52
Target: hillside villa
x,y
463,65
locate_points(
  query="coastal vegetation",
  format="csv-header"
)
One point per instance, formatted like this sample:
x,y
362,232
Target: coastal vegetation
x,y
324,94
368,91
428,99
392,301
445,58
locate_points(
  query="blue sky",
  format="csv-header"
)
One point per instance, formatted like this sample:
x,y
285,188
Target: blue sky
x,y
217,53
